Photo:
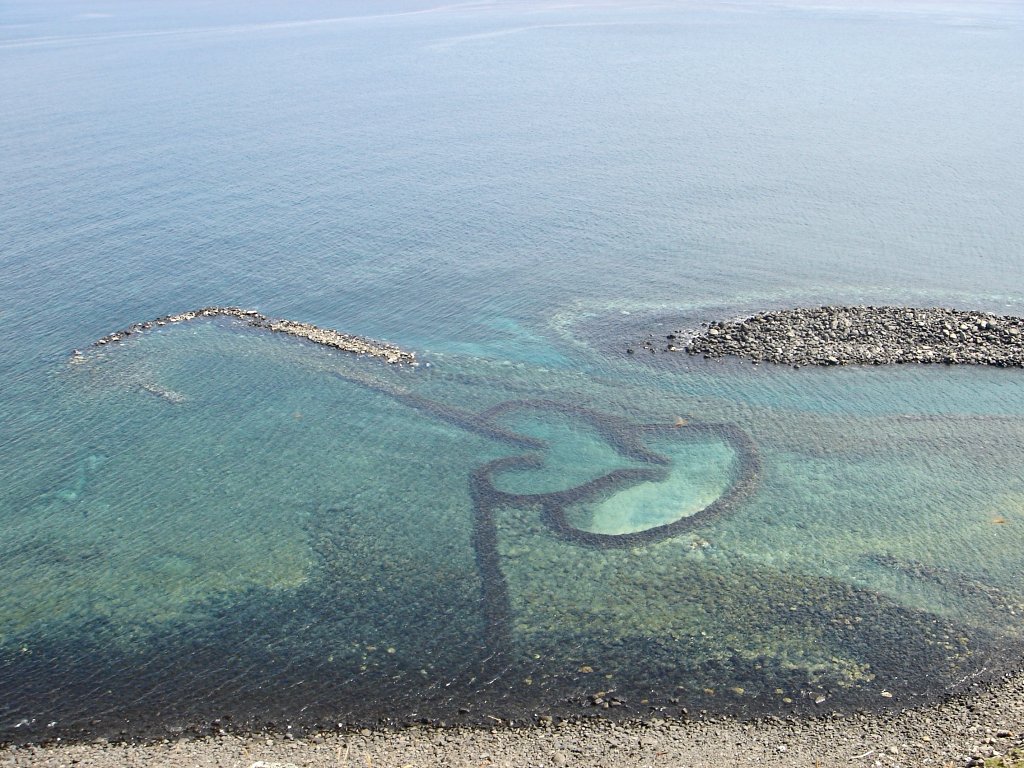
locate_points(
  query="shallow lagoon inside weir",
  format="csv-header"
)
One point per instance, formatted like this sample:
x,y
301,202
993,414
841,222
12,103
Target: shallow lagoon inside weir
x,y
207,526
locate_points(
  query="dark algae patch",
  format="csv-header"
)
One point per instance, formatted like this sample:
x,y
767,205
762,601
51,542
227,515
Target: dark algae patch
x,y
858,335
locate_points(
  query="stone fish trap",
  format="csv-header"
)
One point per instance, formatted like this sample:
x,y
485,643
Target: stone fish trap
x,y
500,649
628,440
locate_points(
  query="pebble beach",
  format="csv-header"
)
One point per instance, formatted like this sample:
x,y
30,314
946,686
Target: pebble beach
x,y
982,726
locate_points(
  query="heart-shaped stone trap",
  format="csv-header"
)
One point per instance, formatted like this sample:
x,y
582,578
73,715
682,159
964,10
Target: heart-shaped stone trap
x,y
699,474
637,495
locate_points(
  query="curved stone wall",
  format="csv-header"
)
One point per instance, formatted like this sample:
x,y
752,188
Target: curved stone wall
x,y
325,337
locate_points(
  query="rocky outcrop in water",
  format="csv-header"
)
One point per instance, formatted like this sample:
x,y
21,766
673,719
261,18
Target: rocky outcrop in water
x,y
322,336
837,335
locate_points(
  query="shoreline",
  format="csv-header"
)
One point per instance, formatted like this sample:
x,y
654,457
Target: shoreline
x,y
982,727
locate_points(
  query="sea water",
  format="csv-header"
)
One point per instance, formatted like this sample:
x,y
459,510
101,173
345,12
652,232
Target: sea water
x,y
211,523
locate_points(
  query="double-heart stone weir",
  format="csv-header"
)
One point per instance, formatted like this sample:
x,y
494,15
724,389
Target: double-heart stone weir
x,y
628,439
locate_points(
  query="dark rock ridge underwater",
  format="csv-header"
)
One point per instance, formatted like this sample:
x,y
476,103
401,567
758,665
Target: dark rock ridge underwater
x,y
859,335
233,662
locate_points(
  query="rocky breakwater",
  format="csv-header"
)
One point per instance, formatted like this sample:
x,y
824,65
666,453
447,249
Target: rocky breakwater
x,y
323,336
858,335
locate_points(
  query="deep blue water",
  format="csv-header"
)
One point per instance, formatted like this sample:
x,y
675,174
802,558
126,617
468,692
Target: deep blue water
x,y
517,192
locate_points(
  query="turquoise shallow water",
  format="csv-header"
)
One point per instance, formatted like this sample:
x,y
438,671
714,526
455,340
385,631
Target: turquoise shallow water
x,y
208,521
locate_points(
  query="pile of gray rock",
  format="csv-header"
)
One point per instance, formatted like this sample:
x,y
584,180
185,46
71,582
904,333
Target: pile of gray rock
x,y
323,336
858,335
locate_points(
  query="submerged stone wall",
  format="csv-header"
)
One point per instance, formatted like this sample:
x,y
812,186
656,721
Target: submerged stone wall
x,y
322,336
840,335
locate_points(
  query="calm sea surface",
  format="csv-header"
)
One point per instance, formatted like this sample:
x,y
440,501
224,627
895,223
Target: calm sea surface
x,y
209,522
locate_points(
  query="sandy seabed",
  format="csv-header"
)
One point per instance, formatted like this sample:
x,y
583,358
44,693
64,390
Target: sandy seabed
x,y
982,726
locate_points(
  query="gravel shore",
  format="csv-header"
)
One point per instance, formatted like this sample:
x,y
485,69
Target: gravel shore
x,y
980,727
839,335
